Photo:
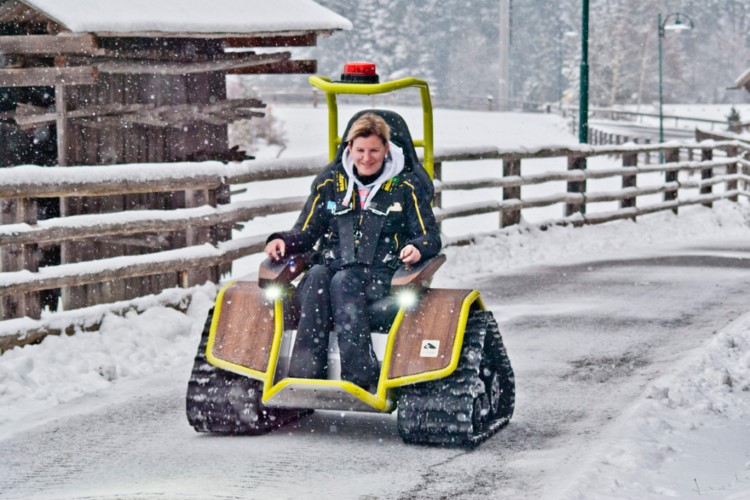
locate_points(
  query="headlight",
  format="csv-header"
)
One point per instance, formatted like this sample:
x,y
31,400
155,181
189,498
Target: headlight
x,y
407,299
273,292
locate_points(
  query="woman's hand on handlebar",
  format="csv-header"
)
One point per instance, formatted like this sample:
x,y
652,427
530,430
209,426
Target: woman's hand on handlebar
x,y
410,255
275,249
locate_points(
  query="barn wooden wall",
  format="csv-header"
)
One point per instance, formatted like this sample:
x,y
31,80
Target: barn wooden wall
x,y
110,141
134,98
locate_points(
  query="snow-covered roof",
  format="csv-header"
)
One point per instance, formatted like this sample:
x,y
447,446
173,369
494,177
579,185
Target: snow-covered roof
x,y
743,80
193,16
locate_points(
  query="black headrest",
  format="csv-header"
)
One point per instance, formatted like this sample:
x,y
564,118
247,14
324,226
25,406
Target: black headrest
x,y
400,136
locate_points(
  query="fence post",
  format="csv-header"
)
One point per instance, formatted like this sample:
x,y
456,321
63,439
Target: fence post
x,y
707,154
437,200
222,232
19,258
576,163
511,167
671,155
732,152
199,235
628,181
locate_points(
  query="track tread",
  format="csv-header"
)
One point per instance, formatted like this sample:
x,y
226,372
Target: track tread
x,y
223,402
441,412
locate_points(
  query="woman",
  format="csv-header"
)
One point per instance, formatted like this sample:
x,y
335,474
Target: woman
x,y
372,213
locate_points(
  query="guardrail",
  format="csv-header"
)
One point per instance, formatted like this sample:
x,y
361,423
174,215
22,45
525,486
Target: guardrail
x,y
722,166
618,114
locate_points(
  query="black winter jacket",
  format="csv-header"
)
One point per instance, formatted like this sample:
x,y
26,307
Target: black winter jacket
x,y
399,214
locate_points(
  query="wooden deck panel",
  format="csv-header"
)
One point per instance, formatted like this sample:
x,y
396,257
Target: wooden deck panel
x,y
435,320
246,327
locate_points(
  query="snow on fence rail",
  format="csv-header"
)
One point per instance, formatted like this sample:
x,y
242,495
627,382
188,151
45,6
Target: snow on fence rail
x,y
21,234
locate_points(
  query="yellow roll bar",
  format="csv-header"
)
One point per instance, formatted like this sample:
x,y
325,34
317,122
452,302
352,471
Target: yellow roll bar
x,y
333,88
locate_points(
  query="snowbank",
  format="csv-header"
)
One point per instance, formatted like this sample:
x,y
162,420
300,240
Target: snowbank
x,y
528,245
687,436
37,378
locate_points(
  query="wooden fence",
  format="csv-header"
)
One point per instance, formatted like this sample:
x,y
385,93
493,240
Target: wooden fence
x,y
722,166
598,137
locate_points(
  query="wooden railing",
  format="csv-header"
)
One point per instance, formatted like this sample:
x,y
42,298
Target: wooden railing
x,y
722,171
722,166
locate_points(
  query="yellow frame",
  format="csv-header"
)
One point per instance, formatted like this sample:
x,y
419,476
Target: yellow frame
x,y
332,88
378,400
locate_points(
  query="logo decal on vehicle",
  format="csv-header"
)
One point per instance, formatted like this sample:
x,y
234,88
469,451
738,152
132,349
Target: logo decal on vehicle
x,y
429,349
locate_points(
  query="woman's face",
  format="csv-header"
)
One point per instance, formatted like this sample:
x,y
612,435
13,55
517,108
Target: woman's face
x,y
368,153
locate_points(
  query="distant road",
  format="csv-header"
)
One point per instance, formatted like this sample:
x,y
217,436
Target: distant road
x,y
643,131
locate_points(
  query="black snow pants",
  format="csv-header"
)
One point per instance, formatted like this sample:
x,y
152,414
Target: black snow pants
x,y
337,300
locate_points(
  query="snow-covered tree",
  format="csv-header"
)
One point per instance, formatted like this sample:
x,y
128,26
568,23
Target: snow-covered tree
x,y
454,44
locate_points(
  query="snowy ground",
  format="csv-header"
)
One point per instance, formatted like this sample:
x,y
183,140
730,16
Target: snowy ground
x,y
685,436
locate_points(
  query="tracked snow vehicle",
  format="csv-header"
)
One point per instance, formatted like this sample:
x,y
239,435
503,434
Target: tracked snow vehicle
x,y
443,363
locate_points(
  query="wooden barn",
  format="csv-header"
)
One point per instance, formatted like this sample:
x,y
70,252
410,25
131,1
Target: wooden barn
x,y
743,80
99,82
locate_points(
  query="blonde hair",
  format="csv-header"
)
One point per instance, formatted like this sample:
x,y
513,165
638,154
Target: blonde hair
x,y
367,125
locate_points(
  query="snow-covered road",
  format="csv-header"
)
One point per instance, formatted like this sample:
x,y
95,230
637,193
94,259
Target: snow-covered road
x,y
589,327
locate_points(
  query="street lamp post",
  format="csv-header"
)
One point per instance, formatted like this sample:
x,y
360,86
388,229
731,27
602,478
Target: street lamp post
x,y
583,106
678,25
559,66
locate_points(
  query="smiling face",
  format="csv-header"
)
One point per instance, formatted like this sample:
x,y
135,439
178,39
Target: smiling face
x,y
368,153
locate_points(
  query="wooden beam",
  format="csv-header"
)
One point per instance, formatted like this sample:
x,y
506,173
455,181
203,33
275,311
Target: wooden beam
x,y
61,103
21,17
113,187
19,258
112,225
27,116
267,35
49,44
280,68
305,39
47,77
175,68
154,56
137,266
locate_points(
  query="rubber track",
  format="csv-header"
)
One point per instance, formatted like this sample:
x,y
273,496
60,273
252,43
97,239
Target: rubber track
x,y
497,356
227,403
440,412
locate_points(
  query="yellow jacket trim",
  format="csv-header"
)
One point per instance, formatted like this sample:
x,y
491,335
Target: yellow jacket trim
x,y
341,182
314,203
312,211
416,206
